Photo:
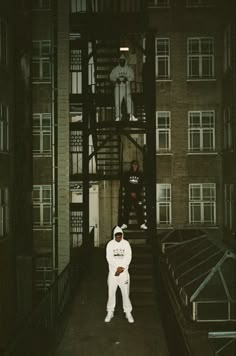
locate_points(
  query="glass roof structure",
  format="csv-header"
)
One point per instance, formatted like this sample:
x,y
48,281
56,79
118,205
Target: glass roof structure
x,y
203,273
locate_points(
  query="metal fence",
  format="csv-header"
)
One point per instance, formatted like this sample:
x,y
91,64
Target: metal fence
x,y
37,334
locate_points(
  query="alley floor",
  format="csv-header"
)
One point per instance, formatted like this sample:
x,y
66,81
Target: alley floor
x,y
86,334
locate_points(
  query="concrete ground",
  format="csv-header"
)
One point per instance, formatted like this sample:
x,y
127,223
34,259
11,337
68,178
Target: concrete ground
x,y
86,333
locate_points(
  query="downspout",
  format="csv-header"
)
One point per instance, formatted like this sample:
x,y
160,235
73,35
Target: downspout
x,y
53,142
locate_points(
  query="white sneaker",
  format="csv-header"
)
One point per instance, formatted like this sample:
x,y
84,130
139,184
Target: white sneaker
x,y
130,317
123,226
117,119
143,227
108,317
133,118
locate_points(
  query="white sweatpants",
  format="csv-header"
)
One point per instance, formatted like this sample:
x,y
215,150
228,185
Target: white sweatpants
x,y
123,281
123,91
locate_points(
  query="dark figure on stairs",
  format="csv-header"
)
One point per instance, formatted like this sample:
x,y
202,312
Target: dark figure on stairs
x,y
133,186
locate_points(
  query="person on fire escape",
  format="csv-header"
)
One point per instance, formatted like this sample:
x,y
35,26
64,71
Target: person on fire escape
x,y
133,186
121,76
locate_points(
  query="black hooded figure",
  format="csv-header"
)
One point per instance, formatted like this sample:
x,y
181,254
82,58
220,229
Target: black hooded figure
x,y
133,185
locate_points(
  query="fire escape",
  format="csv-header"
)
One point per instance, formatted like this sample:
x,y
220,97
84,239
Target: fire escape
x,y
98,31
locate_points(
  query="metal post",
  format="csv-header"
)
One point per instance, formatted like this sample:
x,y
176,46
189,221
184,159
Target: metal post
x,y
150,107
85,163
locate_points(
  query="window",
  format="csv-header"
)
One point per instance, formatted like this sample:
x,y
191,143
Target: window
x,y
4,128
201,131
3,43
228,130
163,131
227,48
202,203
41,61
4,213
76,71
42,211
76,228
199,3
162,58
200,58
42,132
78,6
41,4
158,3
164,204
229,204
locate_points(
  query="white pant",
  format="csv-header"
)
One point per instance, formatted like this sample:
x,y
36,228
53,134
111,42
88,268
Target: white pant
x,y
122,91
123,281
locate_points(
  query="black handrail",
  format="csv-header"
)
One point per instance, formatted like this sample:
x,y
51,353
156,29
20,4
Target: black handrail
x,y
38,332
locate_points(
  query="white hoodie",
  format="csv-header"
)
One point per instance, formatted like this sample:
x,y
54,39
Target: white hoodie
x,y
122,72
118,254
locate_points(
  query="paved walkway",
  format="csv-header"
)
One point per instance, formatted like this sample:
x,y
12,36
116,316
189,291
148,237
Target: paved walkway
x,y
86,333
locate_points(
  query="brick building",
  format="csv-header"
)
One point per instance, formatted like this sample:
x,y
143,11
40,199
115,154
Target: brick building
x,y
61,152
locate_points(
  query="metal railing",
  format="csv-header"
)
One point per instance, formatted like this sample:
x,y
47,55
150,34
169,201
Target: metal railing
x,y
37,334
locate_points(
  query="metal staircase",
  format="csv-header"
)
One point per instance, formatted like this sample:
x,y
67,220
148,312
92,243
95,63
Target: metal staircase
x,y
108,154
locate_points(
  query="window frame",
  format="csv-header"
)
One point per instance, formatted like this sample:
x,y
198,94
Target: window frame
x,y
166,130
199,58
202,132
164,58
202,203
164,203
42,131
41,204
40,59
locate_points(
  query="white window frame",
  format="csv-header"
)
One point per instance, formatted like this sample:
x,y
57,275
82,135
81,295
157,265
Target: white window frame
x,y
163,129
202,202
227,48
228,129
164,202
42,130
3,43
159,3
200,57
163,57
4,128
4,212
201,130
229,205
40,59
40,203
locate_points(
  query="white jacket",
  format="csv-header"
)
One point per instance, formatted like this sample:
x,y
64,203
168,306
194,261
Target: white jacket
x,y
121,73
118,254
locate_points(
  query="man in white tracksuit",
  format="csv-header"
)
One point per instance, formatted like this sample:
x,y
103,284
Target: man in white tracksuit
x,y
122,75
118,255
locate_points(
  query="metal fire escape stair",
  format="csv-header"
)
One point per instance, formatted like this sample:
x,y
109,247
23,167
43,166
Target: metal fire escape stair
x,y
108,154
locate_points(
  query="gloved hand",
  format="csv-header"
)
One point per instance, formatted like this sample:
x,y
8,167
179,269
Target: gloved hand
x,y
118,81
125,80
